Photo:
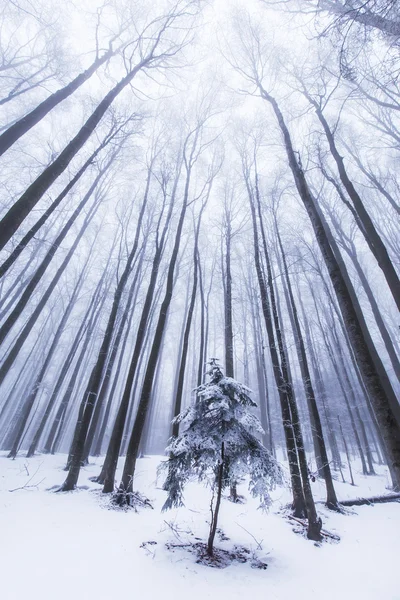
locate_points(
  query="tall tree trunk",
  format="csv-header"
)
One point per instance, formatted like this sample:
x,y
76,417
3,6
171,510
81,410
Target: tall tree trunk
x,y
331,499
22,207
30,401
375,378
126,485
299,506
18,129
107,475
50,210
65,368
90,396
40,271
185,345
363,219
22,336
110,364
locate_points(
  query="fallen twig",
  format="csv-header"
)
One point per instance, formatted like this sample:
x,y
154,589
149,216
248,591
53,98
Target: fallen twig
x,y
259,544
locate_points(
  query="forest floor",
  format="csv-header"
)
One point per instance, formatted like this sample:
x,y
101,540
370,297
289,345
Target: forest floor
x,y
71,546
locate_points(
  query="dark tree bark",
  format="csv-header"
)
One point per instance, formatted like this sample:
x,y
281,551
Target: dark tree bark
x,y
202,356
40,271
363,219
262,387
18,129
107,475
350,249
370,365
90,396
22,207
49,211
22,336
30,400
331,499
68,361
374,180
126,486
314,522
299,506
189,317
340,375
110,364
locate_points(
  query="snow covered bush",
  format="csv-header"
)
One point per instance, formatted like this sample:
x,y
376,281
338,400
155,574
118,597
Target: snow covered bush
x,y
218,443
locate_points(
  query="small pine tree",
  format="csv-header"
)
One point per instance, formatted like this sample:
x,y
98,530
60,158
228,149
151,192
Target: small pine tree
x,y
219,440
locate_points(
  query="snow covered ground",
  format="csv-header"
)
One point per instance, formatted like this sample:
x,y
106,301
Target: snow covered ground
x,y
70,546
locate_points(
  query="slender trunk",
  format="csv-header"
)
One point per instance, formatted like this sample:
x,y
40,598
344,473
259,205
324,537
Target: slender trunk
x,y
65,368
92,390
22,207
18,129
40,271
126,485
365,222
215,511
50,210
314,522
30,401
375,378
299,506
107,376
14,351
331,499
110,464
202,358
95,309
347,452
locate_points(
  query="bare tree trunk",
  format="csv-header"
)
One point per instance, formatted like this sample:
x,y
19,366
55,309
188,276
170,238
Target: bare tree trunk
x,y
299,506
22,207
50,210
90,396
331,500
375,378
110,364
14,351
30,401
185,346
215,510
40,271
347,452
107,475
360,213
126,485
18,129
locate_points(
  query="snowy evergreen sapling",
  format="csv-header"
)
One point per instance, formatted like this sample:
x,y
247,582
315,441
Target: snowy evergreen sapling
x,y
219,444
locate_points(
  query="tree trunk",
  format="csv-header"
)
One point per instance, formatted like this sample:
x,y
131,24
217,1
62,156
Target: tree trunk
x,y
369,362
90,396
365,222
18,129
14,351
50,210
215,511
347,452
331,499
22,207
299,507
